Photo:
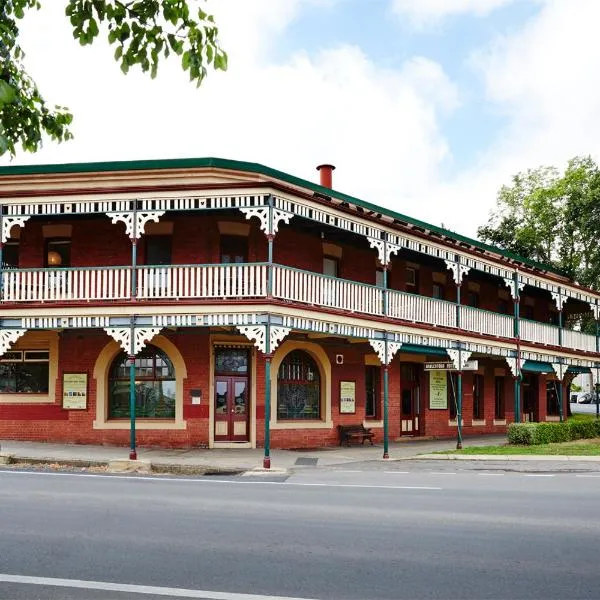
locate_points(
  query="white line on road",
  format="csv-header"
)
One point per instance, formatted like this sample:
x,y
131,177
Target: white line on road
x,y
589,476
442,473
224,481
346,471
538,475
492,474
396,472
137,589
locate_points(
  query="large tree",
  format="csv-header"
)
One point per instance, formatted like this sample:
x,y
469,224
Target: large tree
x,y
143,31
552,217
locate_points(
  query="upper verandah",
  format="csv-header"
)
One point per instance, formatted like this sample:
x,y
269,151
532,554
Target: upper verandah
x,y
20,181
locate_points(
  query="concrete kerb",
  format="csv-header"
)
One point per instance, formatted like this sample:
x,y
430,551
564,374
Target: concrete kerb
x,y
506,457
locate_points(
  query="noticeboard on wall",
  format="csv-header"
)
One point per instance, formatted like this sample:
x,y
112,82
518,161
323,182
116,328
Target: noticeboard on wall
x,y
347,397
438,390
74,391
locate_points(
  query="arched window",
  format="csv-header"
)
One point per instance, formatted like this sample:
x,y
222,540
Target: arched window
x,y
154,386
298,387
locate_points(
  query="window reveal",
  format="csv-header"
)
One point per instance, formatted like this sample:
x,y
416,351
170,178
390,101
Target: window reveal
x,y
298,387
25,372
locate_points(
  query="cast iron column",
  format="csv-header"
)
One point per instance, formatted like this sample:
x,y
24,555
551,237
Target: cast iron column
x,y
268,356
132,448
459,409
386,368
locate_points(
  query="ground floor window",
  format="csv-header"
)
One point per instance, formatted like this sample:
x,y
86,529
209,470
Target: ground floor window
x,y
499,410
298,387
372,379
552,407
478,397
154,386
25,372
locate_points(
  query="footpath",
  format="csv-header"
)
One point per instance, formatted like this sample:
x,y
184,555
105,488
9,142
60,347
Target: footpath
x,y
234,461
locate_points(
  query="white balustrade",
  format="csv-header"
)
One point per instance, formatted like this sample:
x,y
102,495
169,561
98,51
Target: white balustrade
x,y
485,322
64,285
578,340
319,290
540,333
421,309
202,281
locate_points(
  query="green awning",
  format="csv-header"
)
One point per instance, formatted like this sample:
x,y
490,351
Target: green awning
x,y
578,370
533,366
427,350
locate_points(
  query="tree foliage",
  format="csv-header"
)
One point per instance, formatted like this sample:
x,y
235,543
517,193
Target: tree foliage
x,y
553,218
143,31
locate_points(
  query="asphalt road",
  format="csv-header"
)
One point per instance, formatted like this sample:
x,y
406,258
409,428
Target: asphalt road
x,y
429,530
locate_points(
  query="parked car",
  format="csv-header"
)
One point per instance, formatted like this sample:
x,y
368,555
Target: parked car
x,y
586,398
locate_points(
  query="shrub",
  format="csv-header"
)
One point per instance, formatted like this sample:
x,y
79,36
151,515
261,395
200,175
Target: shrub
x,y
527,434
520,434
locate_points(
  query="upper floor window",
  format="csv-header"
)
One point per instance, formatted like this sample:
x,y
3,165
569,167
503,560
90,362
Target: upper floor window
x,y
58,253
438,291
527,312
24,372
331,266
10,255
503,307
380,277
158,249
412,280
473,299
234,249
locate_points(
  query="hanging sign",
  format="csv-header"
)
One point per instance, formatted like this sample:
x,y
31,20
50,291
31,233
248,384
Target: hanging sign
x,y
438,390
74,391
347,397
470,365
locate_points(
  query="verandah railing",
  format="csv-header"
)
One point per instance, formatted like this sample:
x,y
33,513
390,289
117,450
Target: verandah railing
x,y
247,281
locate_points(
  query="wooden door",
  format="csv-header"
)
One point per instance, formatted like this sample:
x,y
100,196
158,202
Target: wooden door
x,y
231,409
410,399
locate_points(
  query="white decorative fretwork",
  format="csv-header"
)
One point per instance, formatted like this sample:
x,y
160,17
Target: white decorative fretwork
x,y
596,310
559,299
459,357
379,347
262,212
8,337
458,270
560,369
384,249
595,375
8,222
135,229
510,283
513,365
258,335
123,336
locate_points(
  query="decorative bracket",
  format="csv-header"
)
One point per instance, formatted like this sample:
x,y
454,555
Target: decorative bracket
x,y
459,357
513,365
559,299
596,310
9,221
379,347
458,270
384,249
595,375
262,212
258,335
560,369
510,282
135,229
122,335
8,337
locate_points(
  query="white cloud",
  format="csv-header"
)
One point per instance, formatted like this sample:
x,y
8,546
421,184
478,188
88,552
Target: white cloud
x,y
423,13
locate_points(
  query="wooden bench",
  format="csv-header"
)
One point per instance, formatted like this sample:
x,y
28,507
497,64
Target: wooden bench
x,y
349,433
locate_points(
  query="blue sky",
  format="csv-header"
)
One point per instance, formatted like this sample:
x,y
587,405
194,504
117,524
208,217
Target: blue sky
x,y
425,106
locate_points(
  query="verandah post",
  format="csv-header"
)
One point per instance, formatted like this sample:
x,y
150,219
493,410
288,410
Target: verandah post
x,y
132,397
386,368
268,356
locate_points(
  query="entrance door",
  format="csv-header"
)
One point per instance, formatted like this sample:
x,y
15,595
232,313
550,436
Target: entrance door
x,y
530,397
410,399
231,409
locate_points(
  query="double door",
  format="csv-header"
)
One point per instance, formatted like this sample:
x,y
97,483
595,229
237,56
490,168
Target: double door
x,y
231,409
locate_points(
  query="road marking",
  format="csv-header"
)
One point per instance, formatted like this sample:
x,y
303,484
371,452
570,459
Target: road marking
x,y
589,476
396,472
224,481
137,589
343,471
491,474
538,475
442,473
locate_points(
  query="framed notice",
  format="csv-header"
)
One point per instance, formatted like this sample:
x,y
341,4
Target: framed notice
x,y
74,391
347,397
438,390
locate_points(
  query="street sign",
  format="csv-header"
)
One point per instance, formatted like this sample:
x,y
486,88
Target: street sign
x,y
470,365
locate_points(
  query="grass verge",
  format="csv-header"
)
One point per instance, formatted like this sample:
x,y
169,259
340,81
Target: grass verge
x,y
576,448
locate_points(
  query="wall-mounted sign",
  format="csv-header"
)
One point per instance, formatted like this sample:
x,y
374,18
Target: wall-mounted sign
x,y
438,390
74,391
470,365
347,397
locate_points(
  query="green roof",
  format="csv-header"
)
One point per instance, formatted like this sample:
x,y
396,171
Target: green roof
x,y
221,163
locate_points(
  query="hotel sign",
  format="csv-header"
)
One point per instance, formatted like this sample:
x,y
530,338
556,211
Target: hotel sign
x,y
470,365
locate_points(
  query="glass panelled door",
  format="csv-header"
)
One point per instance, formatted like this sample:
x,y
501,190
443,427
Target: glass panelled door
x,y
231,409
410,399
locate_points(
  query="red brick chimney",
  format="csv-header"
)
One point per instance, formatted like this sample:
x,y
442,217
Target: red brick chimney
x,y
326,173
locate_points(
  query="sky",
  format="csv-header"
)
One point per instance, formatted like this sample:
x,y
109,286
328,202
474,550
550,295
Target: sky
x,y
425,107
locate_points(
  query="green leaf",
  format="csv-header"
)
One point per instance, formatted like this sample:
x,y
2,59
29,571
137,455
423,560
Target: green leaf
x,y
7,93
